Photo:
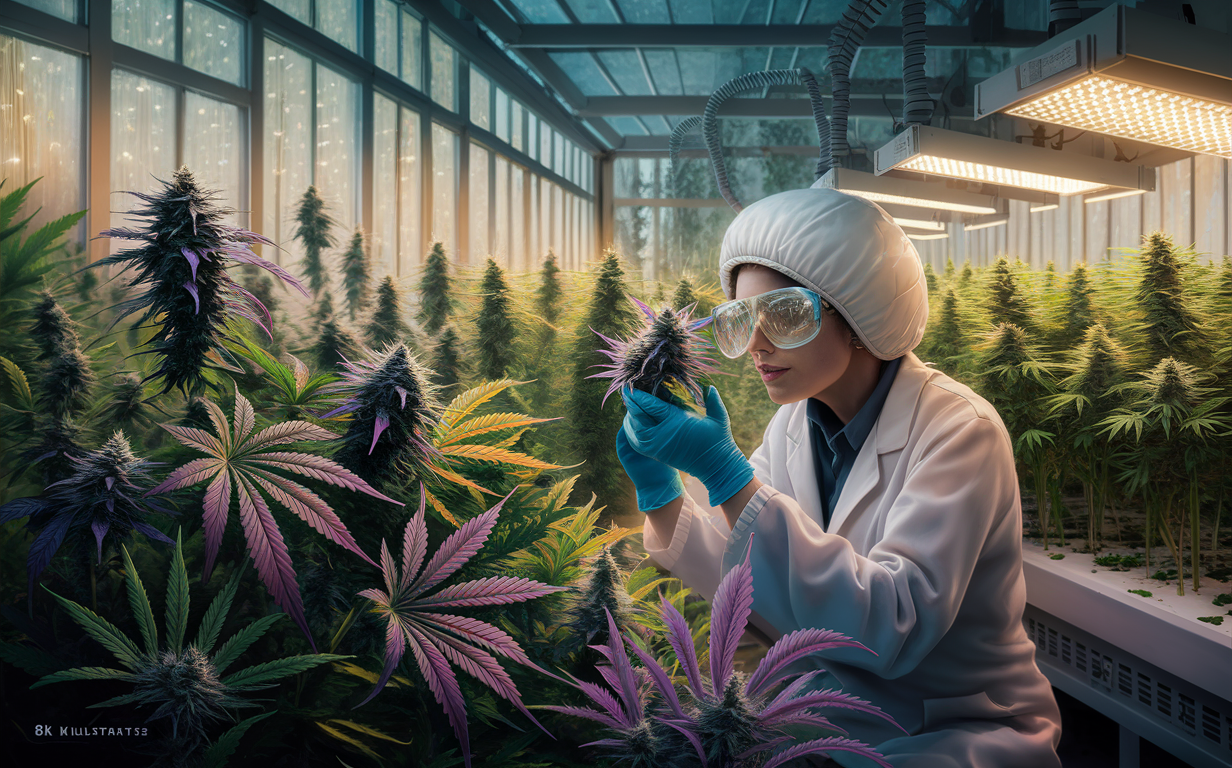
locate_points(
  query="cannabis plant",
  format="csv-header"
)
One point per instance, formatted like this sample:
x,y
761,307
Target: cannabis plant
x,y
313,231
548,298
663,357
602,593
393,409
1174,421
729,718
593,428
930,278
1015,381
386,325
236,458
182,266
1006,301
66,379
1170,325
295,389
435,638
448,365
334,345
945,340
435,298
356,272
495,324
101,501
1087,396
1079,314
183,682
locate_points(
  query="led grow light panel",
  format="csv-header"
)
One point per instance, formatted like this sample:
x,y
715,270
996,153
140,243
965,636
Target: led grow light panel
x,y
922,236
1120,108
918,194
934,226
937,152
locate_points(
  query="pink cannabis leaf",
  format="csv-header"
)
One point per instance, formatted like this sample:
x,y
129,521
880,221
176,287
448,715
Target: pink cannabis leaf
x,y
730,717
238,459
437,638
664,357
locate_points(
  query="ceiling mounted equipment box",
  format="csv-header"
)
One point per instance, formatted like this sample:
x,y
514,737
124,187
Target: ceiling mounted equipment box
x,y
938,152
933,195
1127,73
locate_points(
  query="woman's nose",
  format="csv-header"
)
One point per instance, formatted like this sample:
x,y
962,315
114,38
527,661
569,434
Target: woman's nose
x,y
758,340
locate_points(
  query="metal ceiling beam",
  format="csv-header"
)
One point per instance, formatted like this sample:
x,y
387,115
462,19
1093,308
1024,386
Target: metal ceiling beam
x,y
572,36
862,105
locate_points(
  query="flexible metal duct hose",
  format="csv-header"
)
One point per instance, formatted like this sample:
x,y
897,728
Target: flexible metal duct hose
x,y
1062,14
845,40
748,82
673,146
917,104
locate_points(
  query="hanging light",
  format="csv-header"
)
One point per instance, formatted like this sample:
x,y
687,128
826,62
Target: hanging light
x,y
937,152
1112,195
985,223
919,194
933,226
1042,208
927,235
1127,73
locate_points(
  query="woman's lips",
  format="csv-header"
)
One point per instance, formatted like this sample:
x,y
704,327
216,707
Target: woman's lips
x,y
770,374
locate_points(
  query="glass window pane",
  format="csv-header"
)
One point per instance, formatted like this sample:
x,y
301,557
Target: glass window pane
x,y
386,42
213,42
558,224
212,150
480,246
444,185
339,20
502,115
481,97
288,148
299,9
501,247
558,157
336,174
532,135
384,241
532,221
410,191
143,129
65,9
517,219
412,51
516,126
41,102
444,70
145,24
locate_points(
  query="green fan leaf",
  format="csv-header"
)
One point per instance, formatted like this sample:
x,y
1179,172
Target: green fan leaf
x,y
140,603
215,615
103,631
84,673
218,753
279,668
177,599
239,642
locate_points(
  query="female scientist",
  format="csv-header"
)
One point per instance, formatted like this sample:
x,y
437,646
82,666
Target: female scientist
x,y
884,495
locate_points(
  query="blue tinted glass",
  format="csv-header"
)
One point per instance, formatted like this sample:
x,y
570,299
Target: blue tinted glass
x,y
662,65
692,11
645,11
542,11
627,125
626,69
584,71
593,11
656,125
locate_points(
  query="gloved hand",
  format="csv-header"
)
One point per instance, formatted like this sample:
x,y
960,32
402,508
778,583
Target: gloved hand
x,y
656,483
700,446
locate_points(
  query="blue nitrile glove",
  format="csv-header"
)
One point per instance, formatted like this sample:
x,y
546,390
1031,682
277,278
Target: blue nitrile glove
x,y
656,483
701,446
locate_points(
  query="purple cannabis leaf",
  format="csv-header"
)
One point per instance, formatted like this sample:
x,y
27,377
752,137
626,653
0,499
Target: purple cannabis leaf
x,y
664,357
241,461
436,639
731,717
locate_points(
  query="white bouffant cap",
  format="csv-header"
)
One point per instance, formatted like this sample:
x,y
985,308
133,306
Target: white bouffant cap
x,y
846,249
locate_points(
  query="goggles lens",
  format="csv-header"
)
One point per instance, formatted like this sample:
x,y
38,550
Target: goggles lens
x,y
789,317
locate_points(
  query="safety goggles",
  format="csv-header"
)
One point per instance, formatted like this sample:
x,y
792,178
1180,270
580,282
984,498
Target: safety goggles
x,y
789,317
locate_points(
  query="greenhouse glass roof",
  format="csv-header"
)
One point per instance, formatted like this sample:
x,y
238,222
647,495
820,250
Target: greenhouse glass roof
x,y
631,69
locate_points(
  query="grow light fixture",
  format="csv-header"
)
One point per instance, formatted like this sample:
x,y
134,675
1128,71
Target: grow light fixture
x,y
1112,195
934,226
927,236
1126,73
1042,208
913,192
938,152
996,221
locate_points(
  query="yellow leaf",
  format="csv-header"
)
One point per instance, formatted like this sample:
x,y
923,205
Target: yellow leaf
x,y
340,736
464,404
456,478
368,731
557,495
439,507
488,423
372,677
498,456
17,377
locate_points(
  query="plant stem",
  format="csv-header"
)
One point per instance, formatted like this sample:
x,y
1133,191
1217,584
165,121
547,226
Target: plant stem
x,y
1041,504
1195,540
1166,535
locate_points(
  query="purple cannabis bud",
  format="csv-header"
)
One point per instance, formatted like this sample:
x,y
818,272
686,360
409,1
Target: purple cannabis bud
x,y
182,267
664,357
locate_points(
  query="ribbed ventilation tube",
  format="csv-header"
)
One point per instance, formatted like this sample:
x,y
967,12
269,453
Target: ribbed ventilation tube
x,y
673,146
917,104
1062,14
845,40
748,82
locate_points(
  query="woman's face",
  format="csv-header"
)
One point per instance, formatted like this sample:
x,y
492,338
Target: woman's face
x,y
792,375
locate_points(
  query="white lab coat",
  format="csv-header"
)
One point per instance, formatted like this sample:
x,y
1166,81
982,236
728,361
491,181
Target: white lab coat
x,y
922,563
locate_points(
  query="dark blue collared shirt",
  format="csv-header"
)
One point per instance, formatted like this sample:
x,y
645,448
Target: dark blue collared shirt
x,y
835,444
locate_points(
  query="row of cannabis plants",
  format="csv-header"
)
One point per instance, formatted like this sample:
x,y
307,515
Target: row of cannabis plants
x,y
1115,378
407,516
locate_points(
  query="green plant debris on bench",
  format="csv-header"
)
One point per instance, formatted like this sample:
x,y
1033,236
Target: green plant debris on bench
x,y
1222,599
1142,592
1057,557
1216,620
1119,562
